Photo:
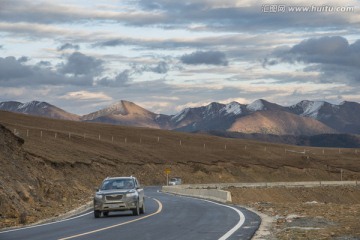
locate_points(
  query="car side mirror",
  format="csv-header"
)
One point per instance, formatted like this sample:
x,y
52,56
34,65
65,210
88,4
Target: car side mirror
x,y
96,189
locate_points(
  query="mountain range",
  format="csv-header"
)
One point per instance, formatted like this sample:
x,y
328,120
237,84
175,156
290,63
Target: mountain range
x,y
262,117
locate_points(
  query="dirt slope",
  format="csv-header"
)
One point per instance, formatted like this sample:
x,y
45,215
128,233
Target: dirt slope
x,y
56,154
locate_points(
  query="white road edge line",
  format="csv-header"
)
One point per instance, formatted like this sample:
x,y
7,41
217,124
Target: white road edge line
x,y
120,224
231,231
45,224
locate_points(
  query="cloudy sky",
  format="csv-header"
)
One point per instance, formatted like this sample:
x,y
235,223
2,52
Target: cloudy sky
x,y
166,55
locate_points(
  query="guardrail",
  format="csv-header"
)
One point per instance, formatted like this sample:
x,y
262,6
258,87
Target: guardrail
x,y
271,184
214,191
213,194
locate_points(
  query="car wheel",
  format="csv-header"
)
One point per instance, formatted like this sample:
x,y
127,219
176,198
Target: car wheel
x,y
142,209
106,214
136,211
97,214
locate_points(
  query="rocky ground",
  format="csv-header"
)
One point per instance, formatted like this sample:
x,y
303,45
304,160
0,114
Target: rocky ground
x,y
306,213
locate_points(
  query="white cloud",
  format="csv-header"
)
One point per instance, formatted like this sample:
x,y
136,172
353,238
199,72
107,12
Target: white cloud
x,y
86,95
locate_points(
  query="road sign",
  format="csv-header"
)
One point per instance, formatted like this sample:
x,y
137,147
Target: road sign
x,y
167,172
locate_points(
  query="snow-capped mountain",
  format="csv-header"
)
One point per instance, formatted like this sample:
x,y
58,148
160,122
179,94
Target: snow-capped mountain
x,y
305,117
308,108
344,117
263,105
37,108
213,116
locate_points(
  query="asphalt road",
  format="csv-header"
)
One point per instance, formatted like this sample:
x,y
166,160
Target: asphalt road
x,y
167,217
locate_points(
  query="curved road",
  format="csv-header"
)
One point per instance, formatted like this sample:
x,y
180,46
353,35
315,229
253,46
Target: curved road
x,y
167,217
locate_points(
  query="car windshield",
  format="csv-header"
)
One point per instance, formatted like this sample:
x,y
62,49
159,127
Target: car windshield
x,y
117,184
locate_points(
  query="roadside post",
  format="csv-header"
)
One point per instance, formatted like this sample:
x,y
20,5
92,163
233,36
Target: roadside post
x,y
167,172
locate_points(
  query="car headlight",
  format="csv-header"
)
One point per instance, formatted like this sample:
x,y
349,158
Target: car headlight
x,y
131,194
98,196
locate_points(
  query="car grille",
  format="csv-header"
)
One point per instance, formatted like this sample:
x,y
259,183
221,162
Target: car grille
x,y
113,198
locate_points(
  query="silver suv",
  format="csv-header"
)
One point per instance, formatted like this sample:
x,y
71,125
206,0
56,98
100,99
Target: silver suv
x,y
119,194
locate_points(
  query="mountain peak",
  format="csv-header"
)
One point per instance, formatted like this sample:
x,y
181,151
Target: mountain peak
x,y
233,108
38,108
257,105
309,108
118,107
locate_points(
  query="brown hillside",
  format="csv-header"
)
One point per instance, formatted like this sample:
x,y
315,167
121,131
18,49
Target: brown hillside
x,y
57,154
57,113
123,113
279,123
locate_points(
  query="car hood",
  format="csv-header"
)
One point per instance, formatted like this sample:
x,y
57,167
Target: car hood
x,y
114,191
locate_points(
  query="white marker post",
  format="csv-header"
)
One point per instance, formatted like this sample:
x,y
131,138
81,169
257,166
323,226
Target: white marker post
x,y
341,174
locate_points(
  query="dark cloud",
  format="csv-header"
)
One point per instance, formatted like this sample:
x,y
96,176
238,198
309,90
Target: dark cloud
x,y
14,72
68,46
80,64
111,43
23,59
48,13
208,58
230,16
44,64
10,68
333,56
122,79
209,15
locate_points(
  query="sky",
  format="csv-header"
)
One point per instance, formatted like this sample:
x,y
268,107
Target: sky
x,y
167,55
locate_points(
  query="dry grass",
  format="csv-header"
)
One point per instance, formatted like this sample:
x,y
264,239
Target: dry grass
x,y
142,146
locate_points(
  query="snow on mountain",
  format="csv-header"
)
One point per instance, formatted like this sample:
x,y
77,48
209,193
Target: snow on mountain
x,y
344,117
233,108
37,108
10,106
308,108
312,110
180,116
32,106
257,105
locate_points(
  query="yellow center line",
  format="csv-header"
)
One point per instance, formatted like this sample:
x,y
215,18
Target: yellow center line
x,y
117,225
